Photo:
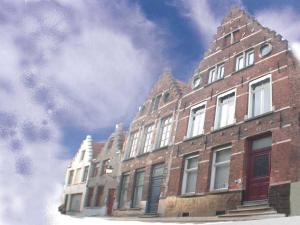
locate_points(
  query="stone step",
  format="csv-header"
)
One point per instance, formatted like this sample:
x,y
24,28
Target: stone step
x,y
255,203
251,209
149,215
272,213
266,205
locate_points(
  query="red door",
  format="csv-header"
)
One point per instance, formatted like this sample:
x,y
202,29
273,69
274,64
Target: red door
x,y
110,201
259,168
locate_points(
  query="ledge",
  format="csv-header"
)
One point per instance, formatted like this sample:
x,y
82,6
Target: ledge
x,y
193,138
128,159
214,192
259,116
161,148
223,128
143,154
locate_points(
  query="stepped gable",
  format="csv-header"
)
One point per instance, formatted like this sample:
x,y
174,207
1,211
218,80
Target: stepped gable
x,y
245,26
97,148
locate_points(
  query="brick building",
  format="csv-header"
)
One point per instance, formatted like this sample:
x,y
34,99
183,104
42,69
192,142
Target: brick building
x,y
148,149
231,136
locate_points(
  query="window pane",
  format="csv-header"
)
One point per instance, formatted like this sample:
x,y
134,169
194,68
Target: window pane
x,y
191,182
138,189
192,163
165,131
221,176
220,71
124,191
239,62
226,110
223,155
249,58
262,143
261,166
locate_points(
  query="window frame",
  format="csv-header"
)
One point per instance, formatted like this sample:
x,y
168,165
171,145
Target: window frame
x,y
161,129
217,111
136,187
85,174
123,187
190,123
185,174
216,69
244,55
144,138
130,152
82,155
250,99
70,178
213,167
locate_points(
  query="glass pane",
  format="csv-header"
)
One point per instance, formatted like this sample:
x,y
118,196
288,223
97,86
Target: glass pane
x,y
220,71
262,143
267,97
191,182
223,155
192,163
221,176
261,166
158,170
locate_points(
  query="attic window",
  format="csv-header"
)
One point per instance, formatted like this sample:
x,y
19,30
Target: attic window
x,y
196,81
231,38
155,103
265,49
166,96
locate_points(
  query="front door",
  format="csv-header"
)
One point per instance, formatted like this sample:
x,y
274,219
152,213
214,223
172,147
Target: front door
x,y
259,167
110,201
155,184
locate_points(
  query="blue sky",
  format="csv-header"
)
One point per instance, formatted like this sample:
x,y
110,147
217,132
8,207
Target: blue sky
x,y
71,68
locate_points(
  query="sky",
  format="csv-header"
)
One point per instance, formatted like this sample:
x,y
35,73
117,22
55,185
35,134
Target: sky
x,y
71,68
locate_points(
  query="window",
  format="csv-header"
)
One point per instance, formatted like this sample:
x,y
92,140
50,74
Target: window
x,y
165,131
262,143
265,49
70,179
244,60
85,174
216,73
196,122
220,168
260,97
82,155
123,191
196,81
189,180
77,176
105,165
147,139
99,196
155,103
95,169
138,189
90,197
132,145
231,38
225,112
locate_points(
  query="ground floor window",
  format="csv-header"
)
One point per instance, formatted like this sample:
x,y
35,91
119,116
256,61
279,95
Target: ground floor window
x,y
90,197
99,195
220,168
138,188
123,190
75,202
189,179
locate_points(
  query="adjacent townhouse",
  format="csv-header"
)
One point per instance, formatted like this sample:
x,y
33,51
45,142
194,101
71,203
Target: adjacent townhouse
x,y
77,174
237,137
104,175
148,149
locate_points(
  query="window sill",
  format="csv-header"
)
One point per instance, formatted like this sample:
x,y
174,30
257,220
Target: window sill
x,y
259,116
244,68
160,148
128,159
186,139
223,128
219,191
142,154
189,195
135,209
208,84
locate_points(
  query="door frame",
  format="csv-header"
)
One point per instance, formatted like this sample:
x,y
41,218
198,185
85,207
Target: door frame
x,y
249,161
150,185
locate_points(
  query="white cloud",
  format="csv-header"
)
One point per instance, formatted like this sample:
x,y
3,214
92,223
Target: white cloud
x,y
88,63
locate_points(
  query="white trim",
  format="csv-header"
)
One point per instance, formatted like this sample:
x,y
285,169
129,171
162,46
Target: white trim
x,y
189,134
250,103
213,168
217,106
185,172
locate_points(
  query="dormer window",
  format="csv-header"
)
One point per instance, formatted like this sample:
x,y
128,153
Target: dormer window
x,y
216,73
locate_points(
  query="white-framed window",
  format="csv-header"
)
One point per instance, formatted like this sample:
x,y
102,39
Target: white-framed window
x,y
225,110
132,144
244,59
82,155
77,176
70,178
196,81
260,96
216,73
147,138
196,121
220,168
189,179
85,174
155,102
165,131
138,188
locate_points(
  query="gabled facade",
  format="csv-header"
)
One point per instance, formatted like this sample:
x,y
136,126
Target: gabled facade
x,y
148,148
104,175
77,175
237,137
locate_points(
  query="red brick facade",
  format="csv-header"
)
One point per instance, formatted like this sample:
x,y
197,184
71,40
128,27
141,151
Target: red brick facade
x,y
281,122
